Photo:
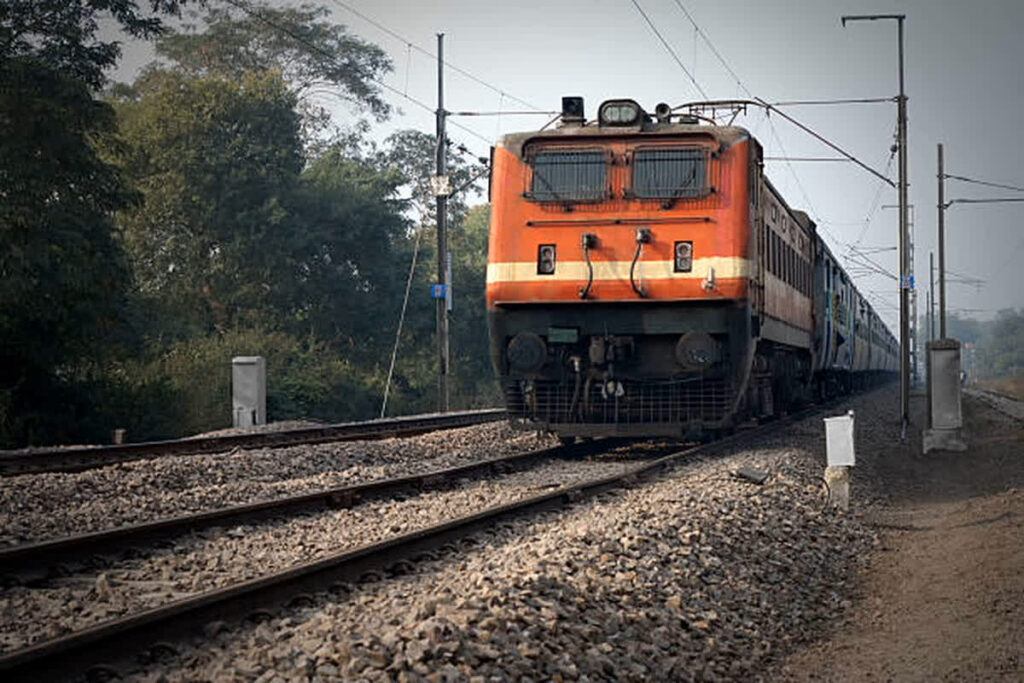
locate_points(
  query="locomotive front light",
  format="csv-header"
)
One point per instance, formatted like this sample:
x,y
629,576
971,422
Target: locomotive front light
x,y
527,352
684,257
619,113
697,350
546,259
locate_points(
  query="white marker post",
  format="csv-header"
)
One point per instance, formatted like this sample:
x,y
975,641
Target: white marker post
x,y
248,391
841,457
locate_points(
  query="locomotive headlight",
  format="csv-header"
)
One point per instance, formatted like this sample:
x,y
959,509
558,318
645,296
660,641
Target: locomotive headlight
x,y
619,113
526,352
697,350
546,259
684,257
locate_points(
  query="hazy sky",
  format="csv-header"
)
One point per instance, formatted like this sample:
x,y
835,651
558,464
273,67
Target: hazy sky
x,y
964,81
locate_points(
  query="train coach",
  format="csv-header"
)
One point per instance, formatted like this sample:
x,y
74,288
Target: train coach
x,y
645,278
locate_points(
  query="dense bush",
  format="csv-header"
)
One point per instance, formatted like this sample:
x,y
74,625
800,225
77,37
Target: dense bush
x,y
305,379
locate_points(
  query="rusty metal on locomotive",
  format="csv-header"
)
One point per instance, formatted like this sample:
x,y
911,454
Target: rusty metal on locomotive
x,y
645,278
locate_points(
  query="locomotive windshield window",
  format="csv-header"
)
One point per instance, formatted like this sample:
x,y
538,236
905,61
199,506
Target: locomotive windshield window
x,y
569,176
669,173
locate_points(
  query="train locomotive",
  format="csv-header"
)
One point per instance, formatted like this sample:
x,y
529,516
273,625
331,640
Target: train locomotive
x,y
645,278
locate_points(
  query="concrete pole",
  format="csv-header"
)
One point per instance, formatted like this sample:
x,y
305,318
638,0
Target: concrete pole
x,y
442,238
942,247
904,254
931,288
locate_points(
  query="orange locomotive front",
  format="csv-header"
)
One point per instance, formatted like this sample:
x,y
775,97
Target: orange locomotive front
x,y
619,269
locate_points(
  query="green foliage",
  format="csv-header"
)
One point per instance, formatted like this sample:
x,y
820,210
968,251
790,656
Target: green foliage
x,y
474,381
62,276
347,250
415,382
414,152
305,379
315,57
60,271
236,233
218,162
1002,349
62,33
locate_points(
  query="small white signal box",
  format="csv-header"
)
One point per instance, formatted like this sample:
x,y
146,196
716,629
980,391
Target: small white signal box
x,y
839,448
248,391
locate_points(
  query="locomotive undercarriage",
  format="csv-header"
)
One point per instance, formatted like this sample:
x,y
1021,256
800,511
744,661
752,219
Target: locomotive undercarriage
x,y
650,369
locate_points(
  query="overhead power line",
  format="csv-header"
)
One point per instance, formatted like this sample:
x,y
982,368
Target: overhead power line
x,y
983,182
714,50
739,82
992,200
840,159
823,140
878,197
316,48
669,48
413,46
504,113
856,100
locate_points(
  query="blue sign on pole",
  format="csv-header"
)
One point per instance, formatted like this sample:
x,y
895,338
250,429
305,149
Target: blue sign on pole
x,y
906,282
438,291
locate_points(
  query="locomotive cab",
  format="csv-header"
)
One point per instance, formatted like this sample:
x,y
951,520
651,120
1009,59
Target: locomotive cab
x,y
619,273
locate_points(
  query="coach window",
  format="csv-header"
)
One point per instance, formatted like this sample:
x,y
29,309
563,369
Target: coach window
x,y
569,176
670,173
775,213
775,254
789,265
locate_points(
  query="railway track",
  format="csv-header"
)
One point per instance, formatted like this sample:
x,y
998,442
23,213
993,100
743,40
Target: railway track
x,y
78,459
149,631
1008,405
31,561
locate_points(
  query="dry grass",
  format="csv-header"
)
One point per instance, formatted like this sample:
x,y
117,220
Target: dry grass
x,y
1011,386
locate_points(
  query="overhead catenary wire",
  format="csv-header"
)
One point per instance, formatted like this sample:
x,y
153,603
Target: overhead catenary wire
x,y
983,182
991,200
401,322
809,159
823,140
714,50
877,199
669,48
394,34
739,82
850,100
238,4
503,113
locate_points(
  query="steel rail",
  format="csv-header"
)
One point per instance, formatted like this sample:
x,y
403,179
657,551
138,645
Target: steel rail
x,y
118,639
77,459
998,401
34,559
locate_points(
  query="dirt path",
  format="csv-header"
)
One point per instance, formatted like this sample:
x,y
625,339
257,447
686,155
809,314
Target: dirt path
x,y
943,599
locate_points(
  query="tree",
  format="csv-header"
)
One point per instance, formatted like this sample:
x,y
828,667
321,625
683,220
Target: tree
x,y
475,383
61,34
315,57
351,246
1002,349
62,275
217,161
413,152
